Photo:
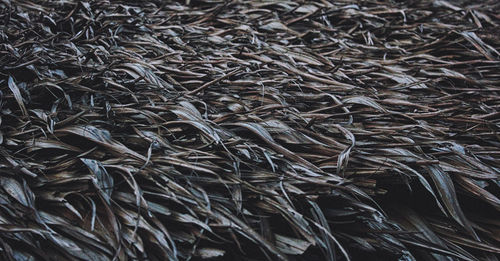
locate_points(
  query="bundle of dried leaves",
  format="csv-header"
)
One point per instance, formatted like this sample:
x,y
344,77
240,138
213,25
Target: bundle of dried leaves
x,y
249,130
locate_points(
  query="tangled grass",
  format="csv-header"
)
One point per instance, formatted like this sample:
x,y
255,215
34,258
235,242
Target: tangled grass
x,y
249,130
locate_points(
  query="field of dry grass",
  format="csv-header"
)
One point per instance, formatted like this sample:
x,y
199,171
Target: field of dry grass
x,y
250,130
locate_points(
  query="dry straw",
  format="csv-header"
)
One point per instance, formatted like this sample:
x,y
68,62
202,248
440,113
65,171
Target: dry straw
x,y
249,130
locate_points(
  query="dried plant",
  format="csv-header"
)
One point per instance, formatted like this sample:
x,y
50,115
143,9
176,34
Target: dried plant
x,y
249,130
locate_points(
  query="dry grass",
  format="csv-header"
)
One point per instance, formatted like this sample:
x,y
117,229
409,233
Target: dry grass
x,y
247,130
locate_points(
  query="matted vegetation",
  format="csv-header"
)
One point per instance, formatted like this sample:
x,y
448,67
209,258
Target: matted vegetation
x,y
249,130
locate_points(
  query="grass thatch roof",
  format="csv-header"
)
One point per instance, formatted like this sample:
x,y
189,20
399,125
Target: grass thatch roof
x,y
249,130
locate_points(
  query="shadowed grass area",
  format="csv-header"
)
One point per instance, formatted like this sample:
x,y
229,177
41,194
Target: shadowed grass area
x,y
249,130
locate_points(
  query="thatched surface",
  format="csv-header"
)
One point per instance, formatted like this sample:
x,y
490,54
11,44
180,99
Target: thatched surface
x,y
247,130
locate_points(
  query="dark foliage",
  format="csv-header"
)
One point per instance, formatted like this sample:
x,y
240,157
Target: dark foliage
x,y
249,130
